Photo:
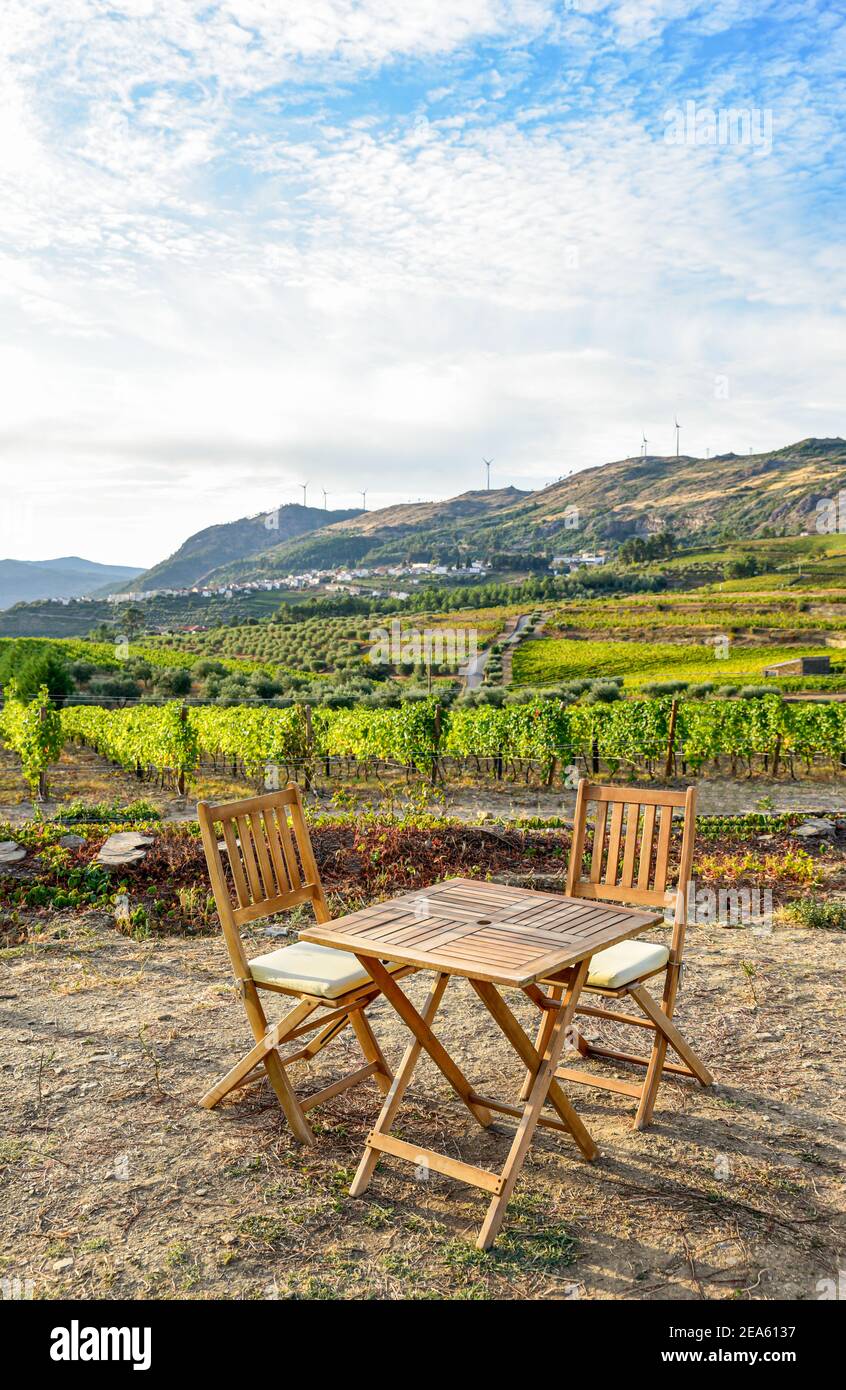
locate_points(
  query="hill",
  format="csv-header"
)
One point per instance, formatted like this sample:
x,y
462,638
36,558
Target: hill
x,y
410,530
745,495
750,495
26,581
232,542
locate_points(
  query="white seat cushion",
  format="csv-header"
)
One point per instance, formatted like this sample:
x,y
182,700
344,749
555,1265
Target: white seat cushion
x,y
311,969
627,961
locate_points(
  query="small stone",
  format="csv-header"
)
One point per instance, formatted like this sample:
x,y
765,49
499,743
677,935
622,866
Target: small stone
x,y
124,847
59,1265
72,840
11,852
814,827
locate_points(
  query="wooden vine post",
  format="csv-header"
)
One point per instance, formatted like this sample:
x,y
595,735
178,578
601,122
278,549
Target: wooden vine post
x,y
436,743
669,766
309,747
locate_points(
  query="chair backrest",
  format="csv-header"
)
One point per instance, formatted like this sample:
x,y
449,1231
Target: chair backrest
x,y
269,864
629,860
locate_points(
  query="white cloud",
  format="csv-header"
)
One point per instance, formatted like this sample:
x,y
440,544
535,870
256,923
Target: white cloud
x,y
221,280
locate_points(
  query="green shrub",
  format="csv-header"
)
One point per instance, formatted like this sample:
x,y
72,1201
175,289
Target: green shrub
x,y
756,692
33,667
80,813
664,687
603,692
172,680
817,913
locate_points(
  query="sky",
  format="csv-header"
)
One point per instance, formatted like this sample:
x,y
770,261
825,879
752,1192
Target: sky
x,y
366,243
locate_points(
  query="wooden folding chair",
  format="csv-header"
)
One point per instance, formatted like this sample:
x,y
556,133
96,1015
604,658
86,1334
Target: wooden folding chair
x,y
628,864
270,868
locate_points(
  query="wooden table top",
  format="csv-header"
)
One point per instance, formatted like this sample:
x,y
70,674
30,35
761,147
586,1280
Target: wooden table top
x,y
484,931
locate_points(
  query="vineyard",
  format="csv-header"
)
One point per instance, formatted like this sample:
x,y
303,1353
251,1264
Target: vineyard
x,y
696,613
544,740
550,659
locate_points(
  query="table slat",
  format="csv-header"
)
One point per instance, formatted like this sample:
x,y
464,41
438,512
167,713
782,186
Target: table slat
x,y
485,931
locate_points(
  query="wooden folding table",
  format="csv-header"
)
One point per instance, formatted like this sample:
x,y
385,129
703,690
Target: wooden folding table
x,y
492,935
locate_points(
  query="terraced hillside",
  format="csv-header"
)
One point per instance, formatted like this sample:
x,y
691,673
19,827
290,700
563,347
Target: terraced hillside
x,y
744,495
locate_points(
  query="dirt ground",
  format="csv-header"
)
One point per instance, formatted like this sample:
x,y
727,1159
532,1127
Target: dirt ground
x,y
116,1184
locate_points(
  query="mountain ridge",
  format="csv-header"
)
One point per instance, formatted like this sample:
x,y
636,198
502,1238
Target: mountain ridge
x,y
602,504
228,542
70,576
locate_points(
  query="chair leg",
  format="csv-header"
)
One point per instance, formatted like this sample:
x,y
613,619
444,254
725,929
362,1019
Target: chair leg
x,y
580,1041
662,1023
241,1072
652,1081
383,1076
300,1127
665,1032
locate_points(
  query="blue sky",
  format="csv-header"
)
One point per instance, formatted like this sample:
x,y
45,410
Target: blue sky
x,y
247,244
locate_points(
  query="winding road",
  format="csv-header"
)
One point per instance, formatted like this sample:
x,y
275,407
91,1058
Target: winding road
x,y
474,672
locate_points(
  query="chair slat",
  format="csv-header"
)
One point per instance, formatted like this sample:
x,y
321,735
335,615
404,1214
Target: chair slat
x,y
614,837
598,842
632,818
644,795
288,847
241,889
277,852
249,858
260,842
577,845
646,846
663,852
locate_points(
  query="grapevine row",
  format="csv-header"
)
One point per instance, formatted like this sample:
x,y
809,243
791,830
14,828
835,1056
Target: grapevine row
x,y
172,738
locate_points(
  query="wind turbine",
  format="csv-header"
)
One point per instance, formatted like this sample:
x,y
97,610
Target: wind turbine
x,y
643,447
487,463
364,499
304,486
325,495
678,429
